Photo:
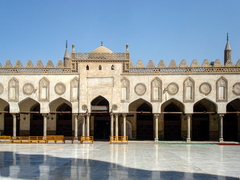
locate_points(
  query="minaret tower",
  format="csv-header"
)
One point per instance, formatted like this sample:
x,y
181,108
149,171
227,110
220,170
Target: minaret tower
x,y
227,52
66,57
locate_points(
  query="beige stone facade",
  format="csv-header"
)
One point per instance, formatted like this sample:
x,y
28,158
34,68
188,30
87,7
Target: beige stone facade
x,y
102,94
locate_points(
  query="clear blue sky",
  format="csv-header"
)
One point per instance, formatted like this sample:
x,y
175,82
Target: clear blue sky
x,y
155,30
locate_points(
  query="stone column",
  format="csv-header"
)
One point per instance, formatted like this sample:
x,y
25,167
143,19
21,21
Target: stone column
x,y
156,127
188,139
76,127
14,125
112,122
124,124
116,125
83,125
44,125
221,127
88,125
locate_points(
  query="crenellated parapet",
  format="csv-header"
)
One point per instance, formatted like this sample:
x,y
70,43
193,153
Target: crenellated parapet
x,y
38,69
183,68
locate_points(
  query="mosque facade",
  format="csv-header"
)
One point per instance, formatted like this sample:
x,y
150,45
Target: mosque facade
x,y
103,94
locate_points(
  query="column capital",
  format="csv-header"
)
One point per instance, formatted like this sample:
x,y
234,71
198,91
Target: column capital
x,y
75,114
45,114
116,114
156,115
221,115
124,114
188,115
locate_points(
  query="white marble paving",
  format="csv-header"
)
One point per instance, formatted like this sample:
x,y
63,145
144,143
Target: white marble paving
x,y
105,161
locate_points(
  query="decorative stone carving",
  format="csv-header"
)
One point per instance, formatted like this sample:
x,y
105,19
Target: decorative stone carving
x,y
60,64
205,88
236,88
28,88
140,89
150,64
8,64
206,63
229,63
74,90
60,88
44,89
18,64
194,63
114,107
125,90
1,88
13,90
49,64
29,64
161,64
183,64
172,64
131,64
156,90
188,90
84,107
217,63
39,64
221,88
172,88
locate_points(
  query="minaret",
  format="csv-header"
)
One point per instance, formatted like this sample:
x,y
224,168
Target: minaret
x,y
66,57
227,52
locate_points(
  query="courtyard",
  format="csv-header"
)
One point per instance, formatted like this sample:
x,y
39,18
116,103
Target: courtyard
x,y
137,160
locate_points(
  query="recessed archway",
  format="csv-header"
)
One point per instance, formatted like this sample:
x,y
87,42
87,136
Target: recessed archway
x,y
101,118
63,110
142,111
173,110
231,121
201,119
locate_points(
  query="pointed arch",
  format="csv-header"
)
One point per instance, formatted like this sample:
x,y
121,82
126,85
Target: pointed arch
x,y
188,90
174,101
55,104
222,90
156,90
135,104
208,104
13,90
27,104
3,104
100,103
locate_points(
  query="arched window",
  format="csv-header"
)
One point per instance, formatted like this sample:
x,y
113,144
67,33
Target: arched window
x,y
112,67
100,67
87,67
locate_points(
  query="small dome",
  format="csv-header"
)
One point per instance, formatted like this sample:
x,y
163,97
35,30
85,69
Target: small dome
x,y
101,53
102,49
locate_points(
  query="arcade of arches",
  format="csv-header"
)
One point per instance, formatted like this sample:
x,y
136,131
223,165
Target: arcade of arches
x,y
138,123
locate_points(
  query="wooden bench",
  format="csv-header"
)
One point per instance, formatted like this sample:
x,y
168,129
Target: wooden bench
x,y
6,139
37,139
86,138
69,138
55,138
118,139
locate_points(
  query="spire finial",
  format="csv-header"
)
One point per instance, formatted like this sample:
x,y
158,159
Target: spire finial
x,y
66,44
101,43
227,36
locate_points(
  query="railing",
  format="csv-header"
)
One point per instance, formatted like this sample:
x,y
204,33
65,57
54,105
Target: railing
x,y
188,70
108,56
118,139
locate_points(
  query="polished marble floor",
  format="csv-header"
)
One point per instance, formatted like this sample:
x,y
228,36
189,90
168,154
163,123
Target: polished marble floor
x,y
105,161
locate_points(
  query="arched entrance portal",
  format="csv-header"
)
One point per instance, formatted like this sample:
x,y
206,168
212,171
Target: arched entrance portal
x,y
64,120
200,123
100,111
172,122
231,120
144,122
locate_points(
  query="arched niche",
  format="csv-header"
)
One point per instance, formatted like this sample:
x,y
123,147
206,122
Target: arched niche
x,y
74,85
222,90
125,90
156,90
13,90
188,90
44,89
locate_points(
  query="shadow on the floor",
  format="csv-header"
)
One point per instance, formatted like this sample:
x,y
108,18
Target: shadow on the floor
x,y
24,166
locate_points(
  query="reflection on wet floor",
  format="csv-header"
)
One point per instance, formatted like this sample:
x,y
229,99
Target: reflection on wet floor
x,y
104,161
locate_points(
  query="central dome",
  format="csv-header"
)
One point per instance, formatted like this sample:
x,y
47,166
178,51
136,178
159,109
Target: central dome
x,y
102,49
101,53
